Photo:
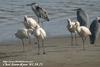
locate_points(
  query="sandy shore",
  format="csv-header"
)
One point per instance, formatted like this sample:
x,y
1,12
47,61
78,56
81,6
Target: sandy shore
x,y
59,53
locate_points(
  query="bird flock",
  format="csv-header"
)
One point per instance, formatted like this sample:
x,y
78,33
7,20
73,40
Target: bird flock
x,y
78,26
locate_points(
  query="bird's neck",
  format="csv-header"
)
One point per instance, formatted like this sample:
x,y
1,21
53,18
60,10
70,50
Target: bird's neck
x,y
78,29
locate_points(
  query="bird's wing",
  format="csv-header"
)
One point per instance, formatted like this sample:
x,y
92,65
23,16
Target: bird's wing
x,y
85,30
43,12
83,18
43,33
94,28
36,10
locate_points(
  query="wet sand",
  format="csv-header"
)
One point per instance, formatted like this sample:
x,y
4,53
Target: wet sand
x,y
59,53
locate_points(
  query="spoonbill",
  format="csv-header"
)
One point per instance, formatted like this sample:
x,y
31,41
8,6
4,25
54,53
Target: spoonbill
x,y
30,23
83,31
40,34
22,34
72,29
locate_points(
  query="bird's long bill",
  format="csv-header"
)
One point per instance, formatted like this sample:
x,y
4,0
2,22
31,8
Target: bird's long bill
x,y
75,9
28,4
48,19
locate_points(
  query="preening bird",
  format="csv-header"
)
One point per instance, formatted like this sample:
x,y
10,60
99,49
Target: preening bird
x,y
39,11
95,30
83,31
22,34
40,34
82,17
30,23
72,29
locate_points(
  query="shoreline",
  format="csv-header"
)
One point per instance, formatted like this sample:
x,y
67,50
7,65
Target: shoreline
x,y
59,53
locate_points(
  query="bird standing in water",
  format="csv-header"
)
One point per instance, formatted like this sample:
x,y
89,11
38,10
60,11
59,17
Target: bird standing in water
x,y
83,31
39,11
72,29
95,30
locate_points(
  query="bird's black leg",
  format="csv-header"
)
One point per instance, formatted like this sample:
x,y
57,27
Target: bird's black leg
x,y
38,20
22,43
43,46
29,38
38,46
83,43
71,39
75,39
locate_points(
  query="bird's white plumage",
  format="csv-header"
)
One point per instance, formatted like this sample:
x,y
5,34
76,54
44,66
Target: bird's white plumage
x,y
71,25
86,30
30,23
83,31
22,34
40,32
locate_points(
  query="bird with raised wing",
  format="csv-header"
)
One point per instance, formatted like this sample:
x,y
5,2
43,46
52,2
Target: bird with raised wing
x,y
39,11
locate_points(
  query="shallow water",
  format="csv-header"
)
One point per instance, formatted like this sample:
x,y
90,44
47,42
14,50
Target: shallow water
x,y
12,12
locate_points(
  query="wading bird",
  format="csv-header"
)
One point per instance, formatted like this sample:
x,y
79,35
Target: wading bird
x,y
22,34
83,31
40,34
95,30
82,17
72,29
39,11
30,23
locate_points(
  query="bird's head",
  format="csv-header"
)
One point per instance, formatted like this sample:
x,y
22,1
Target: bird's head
x,y
98,19
77,24
78,9
31,4
45,15
25,18
47,18
69,21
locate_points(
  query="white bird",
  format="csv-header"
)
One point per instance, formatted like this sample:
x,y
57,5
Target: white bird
x,y
40,34
39,11
30,23
22,34
72,29
83,31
